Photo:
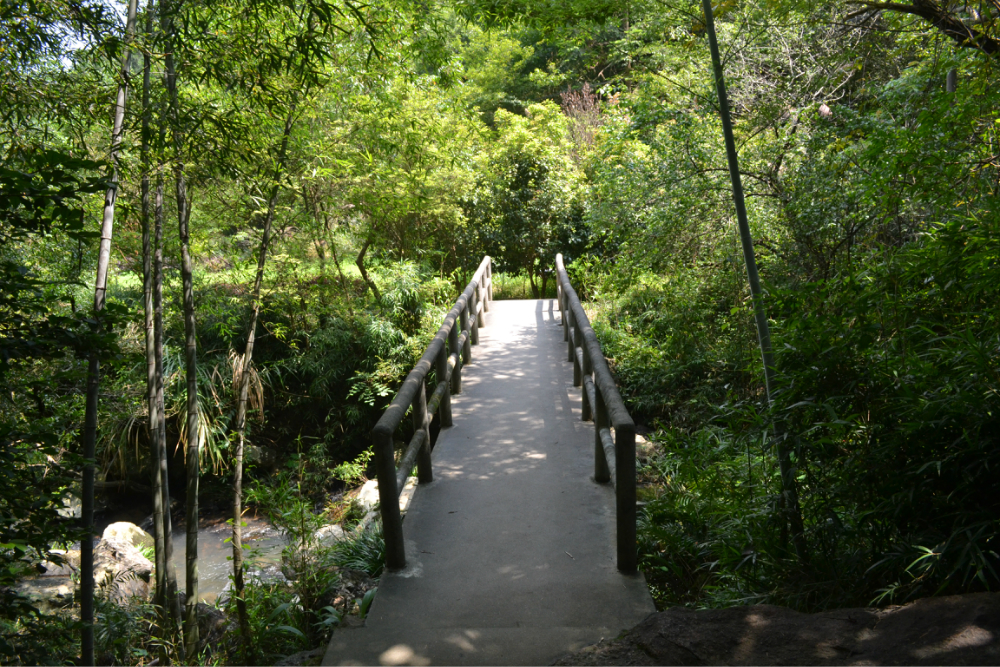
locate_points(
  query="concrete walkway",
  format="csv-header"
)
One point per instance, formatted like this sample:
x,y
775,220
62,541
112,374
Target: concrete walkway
x,y
510,551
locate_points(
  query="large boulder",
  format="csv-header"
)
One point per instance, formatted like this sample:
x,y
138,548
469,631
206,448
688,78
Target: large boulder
x,y
262,457
368,499
956,630
329,535
69,564
367,495
123,531
121,571
213,626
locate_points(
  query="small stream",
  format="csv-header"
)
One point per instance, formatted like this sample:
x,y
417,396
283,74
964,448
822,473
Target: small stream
x,y
215,564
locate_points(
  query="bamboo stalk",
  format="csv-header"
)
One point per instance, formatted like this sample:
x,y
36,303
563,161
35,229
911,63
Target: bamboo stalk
x,y
241,407
94,363
760,312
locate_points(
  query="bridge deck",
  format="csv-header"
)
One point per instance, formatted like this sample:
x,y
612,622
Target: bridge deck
x,y
510,551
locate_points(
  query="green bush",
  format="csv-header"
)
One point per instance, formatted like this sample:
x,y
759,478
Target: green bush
x,y
887,392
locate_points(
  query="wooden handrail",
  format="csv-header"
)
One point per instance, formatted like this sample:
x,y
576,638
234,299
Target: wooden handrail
x,y
450,349
614,456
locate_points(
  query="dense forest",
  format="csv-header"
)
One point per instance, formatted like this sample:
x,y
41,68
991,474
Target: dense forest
x,y
280,199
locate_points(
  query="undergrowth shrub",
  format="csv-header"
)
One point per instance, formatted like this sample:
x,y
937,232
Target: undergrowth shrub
x,y
29,637
890,381
364,550
888,395
299,614
677,343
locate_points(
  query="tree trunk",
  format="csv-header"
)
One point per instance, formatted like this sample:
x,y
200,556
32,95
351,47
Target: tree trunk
x,y
241,406
191,635
945,18
153,425
94,365
192,458
531,280
333,247
173,603
789,491
360,261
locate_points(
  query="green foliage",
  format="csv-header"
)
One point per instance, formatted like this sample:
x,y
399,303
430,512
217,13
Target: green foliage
x,y
709,535
122,632
363,550
543,16
678,343
43,340
529,200
517,286
352,472
276,620
366,602
894,423
877,237
289,618
41,204
286,618
28,637
897,408
287,498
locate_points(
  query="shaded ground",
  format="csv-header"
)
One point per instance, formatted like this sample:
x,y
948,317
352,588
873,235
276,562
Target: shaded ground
x,y
956,630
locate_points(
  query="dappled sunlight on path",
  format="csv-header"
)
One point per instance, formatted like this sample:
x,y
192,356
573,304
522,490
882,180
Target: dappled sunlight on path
x,y
510,550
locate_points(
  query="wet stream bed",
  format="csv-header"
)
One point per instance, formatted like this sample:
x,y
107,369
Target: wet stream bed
x,y
262,541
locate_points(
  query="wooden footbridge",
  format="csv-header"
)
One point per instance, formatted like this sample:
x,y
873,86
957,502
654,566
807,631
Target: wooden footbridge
x,y
519,543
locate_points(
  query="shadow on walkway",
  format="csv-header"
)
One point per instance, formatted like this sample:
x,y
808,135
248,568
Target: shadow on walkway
x,y
511,550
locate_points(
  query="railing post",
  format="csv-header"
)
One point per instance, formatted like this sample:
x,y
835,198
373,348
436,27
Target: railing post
x,y
565,312
480,322
577,342
456,375
489,287
474,333
586,412
424,472
625,512
602,473
571,355
441,370
392,523
560,296
467,347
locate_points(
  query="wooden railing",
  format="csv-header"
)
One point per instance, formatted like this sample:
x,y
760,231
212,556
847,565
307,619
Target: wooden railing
x,y
450,349
614,456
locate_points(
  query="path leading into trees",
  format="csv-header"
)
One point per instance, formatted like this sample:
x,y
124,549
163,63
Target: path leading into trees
x,y
511,549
